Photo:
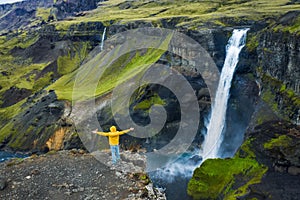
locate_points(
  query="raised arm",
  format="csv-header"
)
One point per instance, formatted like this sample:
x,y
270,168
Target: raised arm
x,y
100,133
126,131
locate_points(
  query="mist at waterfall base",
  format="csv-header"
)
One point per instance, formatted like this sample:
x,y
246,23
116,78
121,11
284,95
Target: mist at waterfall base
x,y
174,177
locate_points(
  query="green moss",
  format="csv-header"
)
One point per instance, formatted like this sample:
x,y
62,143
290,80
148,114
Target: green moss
x,y
20,76
17,141
269,97
19,72
22,40
281,141
215,177
43,13
252,42
290,94
281,99
8,113
19,135
68,63
6,131
262,118
43,81
245,150
293,27
120,69
143,177
147,103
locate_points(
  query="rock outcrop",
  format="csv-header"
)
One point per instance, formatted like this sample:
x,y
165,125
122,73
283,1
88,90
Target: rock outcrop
x,y
76,175
265,167
21,14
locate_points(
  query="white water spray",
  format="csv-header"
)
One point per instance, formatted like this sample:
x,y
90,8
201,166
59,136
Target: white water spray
x,y
102,39
215,127
185,166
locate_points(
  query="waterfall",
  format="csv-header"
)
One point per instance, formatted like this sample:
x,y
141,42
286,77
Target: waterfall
x,y
216,124
102,40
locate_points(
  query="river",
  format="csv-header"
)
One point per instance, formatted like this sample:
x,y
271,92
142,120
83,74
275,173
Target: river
x,y
4,155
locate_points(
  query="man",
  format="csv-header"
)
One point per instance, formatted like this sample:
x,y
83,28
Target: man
x,y
113,137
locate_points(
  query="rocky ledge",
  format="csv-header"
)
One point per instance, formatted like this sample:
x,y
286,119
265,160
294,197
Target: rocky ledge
x,y
77,175
267,166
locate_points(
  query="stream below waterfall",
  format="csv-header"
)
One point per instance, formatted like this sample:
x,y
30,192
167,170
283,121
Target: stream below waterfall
x,y
4,155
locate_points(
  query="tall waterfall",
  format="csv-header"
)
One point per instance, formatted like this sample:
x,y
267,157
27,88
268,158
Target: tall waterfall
x,y
102,39
216,124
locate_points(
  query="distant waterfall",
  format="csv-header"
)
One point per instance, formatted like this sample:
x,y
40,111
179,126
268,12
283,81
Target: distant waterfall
x,y
216,124
102,40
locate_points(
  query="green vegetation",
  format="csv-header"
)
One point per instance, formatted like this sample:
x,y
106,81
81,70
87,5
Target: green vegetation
x,y
43,13
273,88
6,131
116,70
147,103
20,39
281,141
290,94
269,96
21,76
252,42
191,14
216,177
17,71
68,63
227,178
245,150
24,136
292,27
8,113
42,82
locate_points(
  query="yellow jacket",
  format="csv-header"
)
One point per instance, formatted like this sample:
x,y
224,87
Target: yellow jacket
x,y
113,135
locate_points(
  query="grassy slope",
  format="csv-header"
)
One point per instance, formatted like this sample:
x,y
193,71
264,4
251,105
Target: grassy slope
x,y
17,71
195,13
106,76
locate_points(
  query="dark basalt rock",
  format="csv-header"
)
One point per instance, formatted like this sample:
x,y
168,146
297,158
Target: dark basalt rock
x,y
278,55
282,179
35,124
17,18
287,153
14,95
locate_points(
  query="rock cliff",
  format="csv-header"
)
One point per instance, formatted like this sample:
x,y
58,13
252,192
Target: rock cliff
x,y
43,44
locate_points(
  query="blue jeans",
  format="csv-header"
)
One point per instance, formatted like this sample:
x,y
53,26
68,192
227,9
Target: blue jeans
x,y
115,153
